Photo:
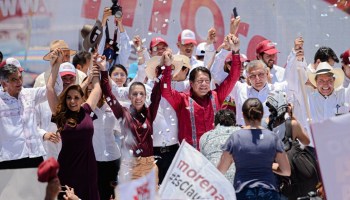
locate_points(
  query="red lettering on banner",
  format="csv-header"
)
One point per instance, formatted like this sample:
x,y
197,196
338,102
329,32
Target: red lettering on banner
x,y
160,17
18,8
129,10
90,9
188,17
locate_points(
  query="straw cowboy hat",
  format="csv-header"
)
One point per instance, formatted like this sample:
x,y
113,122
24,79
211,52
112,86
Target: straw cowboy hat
x,y
179,61
324,68
92,35
58,44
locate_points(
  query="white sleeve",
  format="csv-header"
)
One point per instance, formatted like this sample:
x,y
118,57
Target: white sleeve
x,y
209,54
125,49
101,45
217,69
121,93
40,94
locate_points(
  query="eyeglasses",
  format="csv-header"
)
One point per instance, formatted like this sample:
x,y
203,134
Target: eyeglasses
x,y
136,94
254,76
202,81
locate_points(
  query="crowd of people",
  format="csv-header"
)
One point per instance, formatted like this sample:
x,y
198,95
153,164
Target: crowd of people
x,y
103,122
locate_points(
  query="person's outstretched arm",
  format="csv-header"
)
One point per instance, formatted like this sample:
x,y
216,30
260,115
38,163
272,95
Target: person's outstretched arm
x,y
56,60
95,94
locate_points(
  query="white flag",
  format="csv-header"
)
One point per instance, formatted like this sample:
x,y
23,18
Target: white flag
x,y
192,176
21,184
143,188
332,143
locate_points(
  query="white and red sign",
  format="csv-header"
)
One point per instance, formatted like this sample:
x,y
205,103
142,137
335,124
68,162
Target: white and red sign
x,y
143,188
332,142
192,176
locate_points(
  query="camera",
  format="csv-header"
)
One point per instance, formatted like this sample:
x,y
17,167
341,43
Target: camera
x,y
116,9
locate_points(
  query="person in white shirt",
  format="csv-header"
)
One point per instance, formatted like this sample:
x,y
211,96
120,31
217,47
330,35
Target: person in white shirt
x,y
266,51
20,143
326,98
121,56
186,42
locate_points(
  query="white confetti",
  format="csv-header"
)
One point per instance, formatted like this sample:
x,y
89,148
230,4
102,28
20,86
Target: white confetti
x,y
144,125
164,2
168,108
144,40
165,85
324,15
92,114
166,20
156,13
149,33
156,19
160,132
162,68
327,35
128,16
164,25
167,130
108,98
317,45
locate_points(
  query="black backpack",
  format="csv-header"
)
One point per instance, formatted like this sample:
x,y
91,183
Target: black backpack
x,y
304,167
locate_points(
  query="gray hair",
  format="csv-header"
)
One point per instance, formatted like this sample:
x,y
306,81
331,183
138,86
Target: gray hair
x,y
6,71
255,63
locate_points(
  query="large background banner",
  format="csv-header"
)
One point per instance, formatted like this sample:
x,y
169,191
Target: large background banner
x,y
333,150
28,26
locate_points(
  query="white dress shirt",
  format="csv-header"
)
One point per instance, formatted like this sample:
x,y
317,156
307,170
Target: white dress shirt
x,y
43,114
242,91
277,74
105,147
19,136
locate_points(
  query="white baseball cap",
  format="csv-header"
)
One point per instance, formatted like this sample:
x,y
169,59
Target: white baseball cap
x,y
186,37
67,68
200,50
14,62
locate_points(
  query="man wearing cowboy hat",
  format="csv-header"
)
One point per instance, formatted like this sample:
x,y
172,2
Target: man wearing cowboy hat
x,y
67,53
326,98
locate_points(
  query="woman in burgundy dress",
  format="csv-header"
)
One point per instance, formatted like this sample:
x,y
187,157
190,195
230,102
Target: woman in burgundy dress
x,y
74,118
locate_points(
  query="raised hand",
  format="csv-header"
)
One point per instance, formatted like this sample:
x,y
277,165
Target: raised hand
x,y
56,57
137,42
234,24
298,48
100,61
106,13
52,137
234,42
211,37
167,57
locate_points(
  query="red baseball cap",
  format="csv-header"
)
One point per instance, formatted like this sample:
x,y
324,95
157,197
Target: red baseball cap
x,y
187,37
345,57
155,41
267,47
48,170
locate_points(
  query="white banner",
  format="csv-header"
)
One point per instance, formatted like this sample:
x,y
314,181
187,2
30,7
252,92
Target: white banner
x,y
332,142
192,176
21,184
143,188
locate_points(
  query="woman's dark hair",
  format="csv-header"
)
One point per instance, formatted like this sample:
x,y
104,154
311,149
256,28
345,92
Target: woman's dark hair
x,y
118,66
81,58
63,115
195,71
135,84
324,54
253,109
225,117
